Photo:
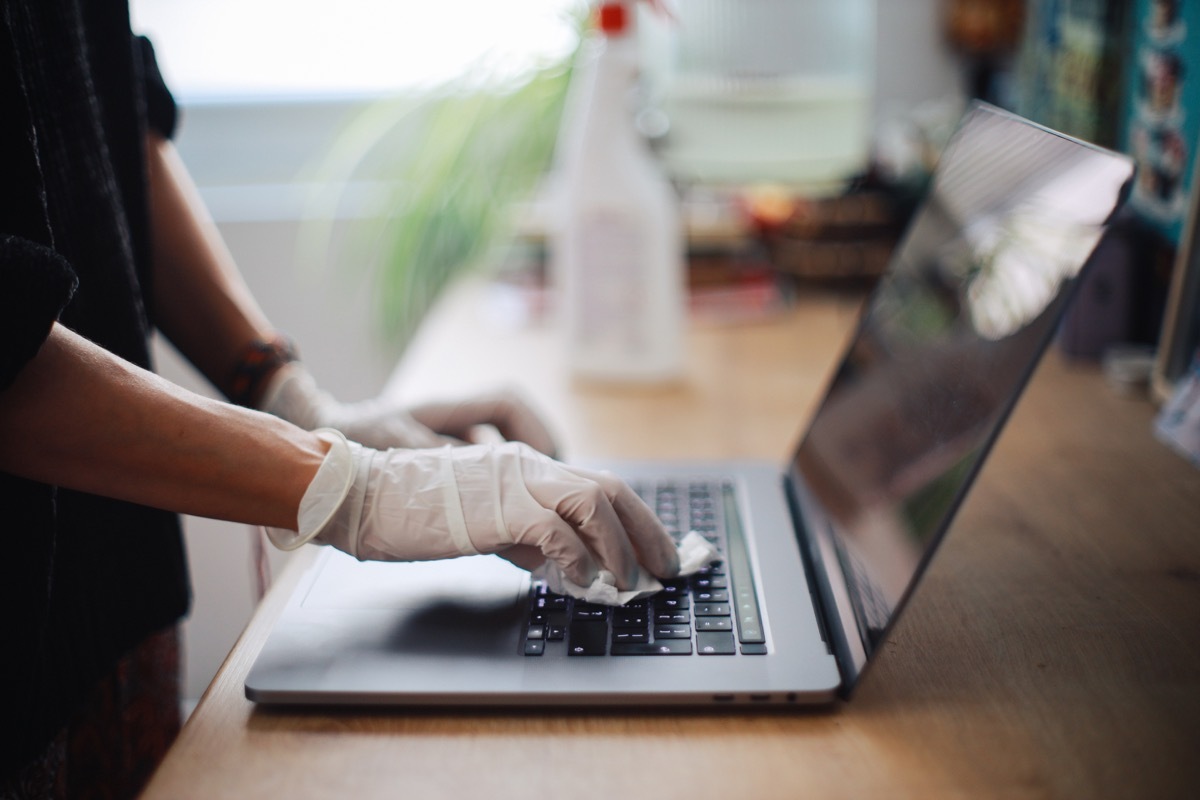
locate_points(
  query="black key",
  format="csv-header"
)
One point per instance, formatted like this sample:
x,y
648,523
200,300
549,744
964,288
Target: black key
x,y
672,632
539,618
710,596
587,638
534,647
667,647
636,605
589,611
710,582
556,633
667,603
536,632
714,624
718,643
630,619
629,637
754,649
554,602
711,610
674,586
672,617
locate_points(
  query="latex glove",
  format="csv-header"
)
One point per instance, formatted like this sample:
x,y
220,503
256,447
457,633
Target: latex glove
x,y
293,395
415,505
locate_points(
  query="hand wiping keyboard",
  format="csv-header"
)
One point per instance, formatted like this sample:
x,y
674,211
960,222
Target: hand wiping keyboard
x,y
695,553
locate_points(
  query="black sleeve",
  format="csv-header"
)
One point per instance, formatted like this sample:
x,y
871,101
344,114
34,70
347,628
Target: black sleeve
x,y
38,283
161,112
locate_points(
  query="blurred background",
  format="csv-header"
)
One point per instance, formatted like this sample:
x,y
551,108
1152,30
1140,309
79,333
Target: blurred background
x,y
358,158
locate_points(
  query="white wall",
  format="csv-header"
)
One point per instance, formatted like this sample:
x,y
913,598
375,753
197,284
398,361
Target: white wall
x,y
253,163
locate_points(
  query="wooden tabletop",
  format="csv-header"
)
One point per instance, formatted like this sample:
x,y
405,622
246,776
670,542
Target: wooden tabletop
x,y
1053,649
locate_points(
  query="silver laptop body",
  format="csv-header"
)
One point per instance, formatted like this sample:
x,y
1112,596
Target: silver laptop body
x,y
822,555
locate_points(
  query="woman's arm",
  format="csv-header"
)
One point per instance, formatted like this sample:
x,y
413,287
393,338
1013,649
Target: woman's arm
x,y
79,417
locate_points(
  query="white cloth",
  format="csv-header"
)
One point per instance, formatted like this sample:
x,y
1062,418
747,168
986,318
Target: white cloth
x,y
695,553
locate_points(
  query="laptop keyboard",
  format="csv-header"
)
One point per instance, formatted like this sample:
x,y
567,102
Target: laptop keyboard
x,y
693,615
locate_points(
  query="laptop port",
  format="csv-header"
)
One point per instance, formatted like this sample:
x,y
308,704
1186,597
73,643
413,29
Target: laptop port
x,y
761,698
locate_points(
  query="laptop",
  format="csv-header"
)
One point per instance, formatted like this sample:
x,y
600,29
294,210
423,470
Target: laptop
x,y
818,556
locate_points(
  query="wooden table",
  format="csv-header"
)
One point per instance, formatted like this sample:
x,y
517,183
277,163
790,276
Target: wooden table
x,y
1052,651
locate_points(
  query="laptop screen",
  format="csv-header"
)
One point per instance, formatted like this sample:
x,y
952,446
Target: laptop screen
x,y
946,343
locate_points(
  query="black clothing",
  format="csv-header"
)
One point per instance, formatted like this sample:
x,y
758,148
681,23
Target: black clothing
x,y
83,579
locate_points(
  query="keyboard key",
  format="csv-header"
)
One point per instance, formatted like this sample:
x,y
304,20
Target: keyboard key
x,y
556,633
754,649
630,619
536,632
711,610
672,617
718,643
587,638
554,602
710,596
667,647
672,632
714,624
534,647
710,582
673,587
589,611
539,618
629,637
665,603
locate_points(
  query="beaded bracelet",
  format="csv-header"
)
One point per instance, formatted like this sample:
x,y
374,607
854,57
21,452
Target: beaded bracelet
x,y
260,359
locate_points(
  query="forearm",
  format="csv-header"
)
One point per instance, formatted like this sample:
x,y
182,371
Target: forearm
x,y
201,301
79,417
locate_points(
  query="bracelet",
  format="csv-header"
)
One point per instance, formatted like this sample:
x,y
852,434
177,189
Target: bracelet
x,y
258,360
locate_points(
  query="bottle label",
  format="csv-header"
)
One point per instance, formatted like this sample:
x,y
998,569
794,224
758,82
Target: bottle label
x,y
613,303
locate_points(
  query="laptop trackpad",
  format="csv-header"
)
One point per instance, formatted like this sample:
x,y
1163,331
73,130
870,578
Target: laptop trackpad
x,y
458,605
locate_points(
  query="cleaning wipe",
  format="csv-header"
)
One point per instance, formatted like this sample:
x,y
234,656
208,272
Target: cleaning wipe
x,y
695,553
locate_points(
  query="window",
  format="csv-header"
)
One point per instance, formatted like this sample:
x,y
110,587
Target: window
x,y
241,49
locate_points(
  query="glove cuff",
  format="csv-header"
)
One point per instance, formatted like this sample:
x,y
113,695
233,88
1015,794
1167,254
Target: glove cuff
x,y
292,394
329,488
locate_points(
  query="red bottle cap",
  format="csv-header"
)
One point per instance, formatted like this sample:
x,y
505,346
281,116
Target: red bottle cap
x,y
612,18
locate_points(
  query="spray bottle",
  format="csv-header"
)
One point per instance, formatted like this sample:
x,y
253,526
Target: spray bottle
x,y
618,247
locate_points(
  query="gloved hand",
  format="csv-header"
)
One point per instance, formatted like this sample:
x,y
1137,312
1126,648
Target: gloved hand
x,y
416,505
292,394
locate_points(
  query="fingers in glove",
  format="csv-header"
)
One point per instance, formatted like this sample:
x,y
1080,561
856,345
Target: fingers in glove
x,y
524,556
507,413
655,549
382,426
586,506
558,542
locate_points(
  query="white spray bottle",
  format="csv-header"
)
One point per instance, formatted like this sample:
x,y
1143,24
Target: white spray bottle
x,y
618,248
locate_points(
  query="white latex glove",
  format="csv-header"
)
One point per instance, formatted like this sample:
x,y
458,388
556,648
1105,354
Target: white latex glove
x,y
292,394
416,505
